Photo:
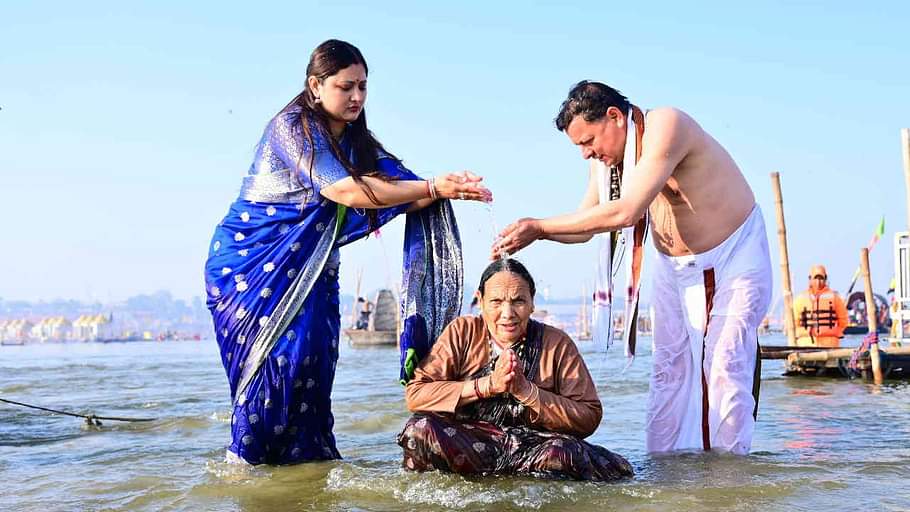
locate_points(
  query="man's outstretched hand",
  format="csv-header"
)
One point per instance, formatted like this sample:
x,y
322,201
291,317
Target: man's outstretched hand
x,y
516,236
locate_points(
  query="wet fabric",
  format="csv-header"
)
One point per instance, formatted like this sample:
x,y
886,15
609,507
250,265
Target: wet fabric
x,y
506,410
707,309
567,400
499,434
272,288
441,442
432,282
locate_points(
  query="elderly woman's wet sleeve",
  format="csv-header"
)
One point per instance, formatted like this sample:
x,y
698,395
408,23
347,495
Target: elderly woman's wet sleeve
x,y
573,406
435,387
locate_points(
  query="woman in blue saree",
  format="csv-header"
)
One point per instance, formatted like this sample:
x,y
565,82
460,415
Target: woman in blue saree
x,y
319,180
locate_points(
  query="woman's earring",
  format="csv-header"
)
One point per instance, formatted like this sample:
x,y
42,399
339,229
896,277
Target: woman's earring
x,y
317,100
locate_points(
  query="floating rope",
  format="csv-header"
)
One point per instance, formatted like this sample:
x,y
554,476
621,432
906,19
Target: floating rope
x,y
90,419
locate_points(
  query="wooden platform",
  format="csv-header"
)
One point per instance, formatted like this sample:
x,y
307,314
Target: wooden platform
x,y
365,338
781,352
812,361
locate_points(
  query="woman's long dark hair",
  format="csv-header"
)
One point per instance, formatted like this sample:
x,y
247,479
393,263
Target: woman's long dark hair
x,y
328,59
506,265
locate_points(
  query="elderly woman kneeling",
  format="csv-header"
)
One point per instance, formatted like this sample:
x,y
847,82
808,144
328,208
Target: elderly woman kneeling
x,y
503,394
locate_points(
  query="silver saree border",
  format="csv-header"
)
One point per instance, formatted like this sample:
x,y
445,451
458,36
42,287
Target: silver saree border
x,y
288,307
274,187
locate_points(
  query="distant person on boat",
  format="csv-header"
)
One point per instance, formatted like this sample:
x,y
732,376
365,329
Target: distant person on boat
x,y
504,394
366,308
712,274
821,315
319,180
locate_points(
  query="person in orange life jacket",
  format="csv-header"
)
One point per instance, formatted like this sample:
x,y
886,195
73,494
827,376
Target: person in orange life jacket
x,y
821,315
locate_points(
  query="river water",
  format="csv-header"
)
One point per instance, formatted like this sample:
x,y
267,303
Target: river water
x,y
821,444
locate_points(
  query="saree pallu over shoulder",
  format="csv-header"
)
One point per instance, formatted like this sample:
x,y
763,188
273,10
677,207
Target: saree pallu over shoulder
x,y
432,282
281,186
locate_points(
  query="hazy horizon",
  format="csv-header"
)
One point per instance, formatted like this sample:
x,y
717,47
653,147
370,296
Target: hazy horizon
x,y
125,129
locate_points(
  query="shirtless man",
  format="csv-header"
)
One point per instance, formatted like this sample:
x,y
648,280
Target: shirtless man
x,y
712,276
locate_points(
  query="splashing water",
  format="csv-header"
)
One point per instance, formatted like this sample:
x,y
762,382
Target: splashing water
x,y
503,254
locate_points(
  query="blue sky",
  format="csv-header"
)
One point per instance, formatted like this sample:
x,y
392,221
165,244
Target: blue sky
x,y
125,128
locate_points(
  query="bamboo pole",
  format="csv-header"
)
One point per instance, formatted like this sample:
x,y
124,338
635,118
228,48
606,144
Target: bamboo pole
x,y
895,351
821,355
354,312
905,149
871,319
789,321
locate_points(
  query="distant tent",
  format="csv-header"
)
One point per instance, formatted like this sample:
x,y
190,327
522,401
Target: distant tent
x,y
384,316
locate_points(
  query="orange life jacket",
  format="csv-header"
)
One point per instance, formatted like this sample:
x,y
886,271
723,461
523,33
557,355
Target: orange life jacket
x,y
817,317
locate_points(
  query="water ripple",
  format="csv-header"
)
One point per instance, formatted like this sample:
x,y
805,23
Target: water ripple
x,y
819,443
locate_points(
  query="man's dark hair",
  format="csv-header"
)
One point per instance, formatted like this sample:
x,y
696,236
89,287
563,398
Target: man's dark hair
x,y
591,101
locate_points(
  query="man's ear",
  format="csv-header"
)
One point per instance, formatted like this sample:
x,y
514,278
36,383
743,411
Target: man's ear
x,y
617,116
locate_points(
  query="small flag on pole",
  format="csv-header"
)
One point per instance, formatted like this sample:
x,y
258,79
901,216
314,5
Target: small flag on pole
x,y
879,233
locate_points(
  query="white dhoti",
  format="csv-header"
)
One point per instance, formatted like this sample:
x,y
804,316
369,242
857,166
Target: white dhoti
x,y
707,309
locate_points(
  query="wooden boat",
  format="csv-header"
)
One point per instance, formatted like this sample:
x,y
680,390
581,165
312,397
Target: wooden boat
x,y
856,312
382,329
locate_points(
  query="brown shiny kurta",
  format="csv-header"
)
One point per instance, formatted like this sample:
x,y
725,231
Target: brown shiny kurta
x,y
568,400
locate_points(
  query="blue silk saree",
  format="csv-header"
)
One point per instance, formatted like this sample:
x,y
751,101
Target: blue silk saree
x,y
272,288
